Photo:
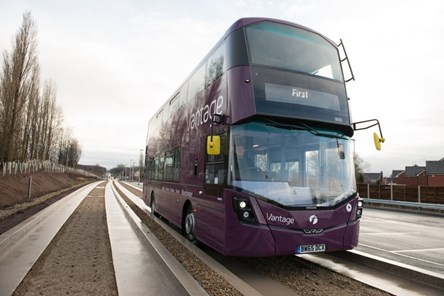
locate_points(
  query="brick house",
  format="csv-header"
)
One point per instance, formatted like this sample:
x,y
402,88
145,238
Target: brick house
x,y
394,175
432,174
412,176
435,173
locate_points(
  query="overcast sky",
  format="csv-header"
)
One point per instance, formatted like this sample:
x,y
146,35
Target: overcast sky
x,y
115,62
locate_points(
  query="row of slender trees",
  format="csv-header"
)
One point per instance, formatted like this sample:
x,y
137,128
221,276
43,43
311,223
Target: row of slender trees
x,y
30,120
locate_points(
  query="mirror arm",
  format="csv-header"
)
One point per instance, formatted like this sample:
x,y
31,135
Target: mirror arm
x,y
369,126
216,119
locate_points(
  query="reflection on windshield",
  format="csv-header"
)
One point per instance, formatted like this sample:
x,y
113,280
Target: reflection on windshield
x,y
286,47
293,167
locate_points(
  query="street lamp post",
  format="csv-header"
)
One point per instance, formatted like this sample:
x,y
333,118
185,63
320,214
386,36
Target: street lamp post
x,y
130,170
140,164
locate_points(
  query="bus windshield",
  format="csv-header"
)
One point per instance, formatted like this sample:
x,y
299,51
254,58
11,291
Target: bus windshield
x,y
290,48
292,165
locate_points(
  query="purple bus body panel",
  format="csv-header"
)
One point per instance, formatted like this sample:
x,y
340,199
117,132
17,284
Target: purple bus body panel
x,y
249,241
324,218
172,199
245,239
240,88
210,221
351,238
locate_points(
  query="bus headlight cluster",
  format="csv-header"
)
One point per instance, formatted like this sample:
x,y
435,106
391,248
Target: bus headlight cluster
x,y
243,209
360,208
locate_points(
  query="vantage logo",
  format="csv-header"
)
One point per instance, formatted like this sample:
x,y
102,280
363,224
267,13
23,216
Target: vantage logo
x,y
205,114
281,219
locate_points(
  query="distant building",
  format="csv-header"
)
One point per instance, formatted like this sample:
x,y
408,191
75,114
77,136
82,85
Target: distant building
x,y
396,173
435,173
432,174
412,176
393,176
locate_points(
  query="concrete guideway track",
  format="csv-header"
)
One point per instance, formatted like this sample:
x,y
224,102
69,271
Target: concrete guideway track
x,y
141,263
22,245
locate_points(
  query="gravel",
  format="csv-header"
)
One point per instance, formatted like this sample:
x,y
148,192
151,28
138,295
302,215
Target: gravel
x,y
78,260
306,278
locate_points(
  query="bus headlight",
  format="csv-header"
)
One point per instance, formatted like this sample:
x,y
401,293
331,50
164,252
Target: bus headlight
x,y
243,209
360,208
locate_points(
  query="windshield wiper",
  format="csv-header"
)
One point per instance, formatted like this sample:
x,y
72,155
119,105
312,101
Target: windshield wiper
x,y
305,127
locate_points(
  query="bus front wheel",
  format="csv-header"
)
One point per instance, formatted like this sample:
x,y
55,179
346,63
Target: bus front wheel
x,y
190,225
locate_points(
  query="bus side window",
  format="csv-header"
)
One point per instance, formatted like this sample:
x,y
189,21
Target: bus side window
x,y
215,173
215,168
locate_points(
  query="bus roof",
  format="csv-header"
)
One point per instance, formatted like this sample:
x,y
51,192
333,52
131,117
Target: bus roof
x,y
242,22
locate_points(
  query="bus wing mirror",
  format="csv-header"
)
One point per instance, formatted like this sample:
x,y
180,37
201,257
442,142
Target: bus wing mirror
x,y
213,145
362,125
378,141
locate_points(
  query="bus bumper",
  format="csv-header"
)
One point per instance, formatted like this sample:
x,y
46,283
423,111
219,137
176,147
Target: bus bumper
x,y
264,240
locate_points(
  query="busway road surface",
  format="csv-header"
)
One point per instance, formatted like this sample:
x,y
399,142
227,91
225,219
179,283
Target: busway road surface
x,y
408,247
408,238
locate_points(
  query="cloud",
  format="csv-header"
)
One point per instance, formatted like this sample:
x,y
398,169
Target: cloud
x,y
116,62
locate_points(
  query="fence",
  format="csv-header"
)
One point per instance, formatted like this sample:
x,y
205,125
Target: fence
x,y
32,166
394,192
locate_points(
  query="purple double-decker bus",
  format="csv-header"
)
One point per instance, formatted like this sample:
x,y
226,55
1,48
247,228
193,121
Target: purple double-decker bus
x,y
253,155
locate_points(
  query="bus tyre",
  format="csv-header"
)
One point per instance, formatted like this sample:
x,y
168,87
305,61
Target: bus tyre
x,y
153,206
190,225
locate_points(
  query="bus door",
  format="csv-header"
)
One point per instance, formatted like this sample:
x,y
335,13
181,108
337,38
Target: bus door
x,y
213,204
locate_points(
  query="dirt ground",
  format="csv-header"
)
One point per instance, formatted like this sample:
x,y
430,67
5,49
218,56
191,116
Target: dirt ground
x,y
14,188
46,189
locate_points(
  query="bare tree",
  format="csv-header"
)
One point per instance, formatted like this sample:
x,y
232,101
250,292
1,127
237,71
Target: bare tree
x,y
360,167
31,116
16,81
34,106
50,122
69,150
74,152
30,120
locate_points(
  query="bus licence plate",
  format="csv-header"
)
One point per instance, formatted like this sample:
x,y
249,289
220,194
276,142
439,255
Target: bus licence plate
x,y
310,248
